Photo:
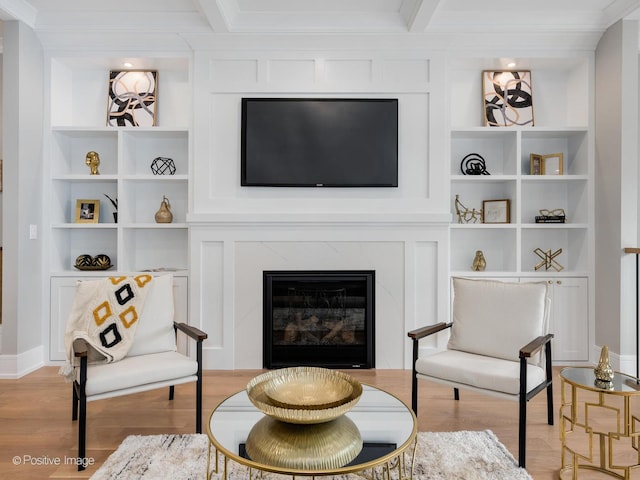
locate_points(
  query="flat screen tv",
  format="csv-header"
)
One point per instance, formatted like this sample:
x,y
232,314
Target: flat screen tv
x,y
319,142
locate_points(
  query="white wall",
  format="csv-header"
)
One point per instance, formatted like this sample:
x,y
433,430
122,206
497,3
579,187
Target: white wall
x,y
23,326
616,202
237,232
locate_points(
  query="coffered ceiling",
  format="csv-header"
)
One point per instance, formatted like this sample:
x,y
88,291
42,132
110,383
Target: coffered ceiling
x,y
319,16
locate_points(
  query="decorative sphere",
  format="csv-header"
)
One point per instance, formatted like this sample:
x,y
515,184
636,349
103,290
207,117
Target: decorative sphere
x,y
102,261
84,261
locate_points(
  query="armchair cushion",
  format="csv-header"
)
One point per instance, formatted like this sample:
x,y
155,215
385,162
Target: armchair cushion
x,y
497,319
155,328
478,371
139,370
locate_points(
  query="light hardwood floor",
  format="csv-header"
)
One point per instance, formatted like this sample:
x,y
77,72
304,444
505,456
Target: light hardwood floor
x,y
35,419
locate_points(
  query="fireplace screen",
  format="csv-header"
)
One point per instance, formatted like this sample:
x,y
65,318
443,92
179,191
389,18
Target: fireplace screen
x,y
318,318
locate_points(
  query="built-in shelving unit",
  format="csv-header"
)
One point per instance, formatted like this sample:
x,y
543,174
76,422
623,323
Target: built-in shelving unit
x,y
134,241
562,106
77,100
509,248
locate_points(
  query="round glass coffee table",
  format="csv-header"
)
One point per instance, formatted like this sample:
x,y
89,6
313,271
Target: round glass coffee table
x,y
386,426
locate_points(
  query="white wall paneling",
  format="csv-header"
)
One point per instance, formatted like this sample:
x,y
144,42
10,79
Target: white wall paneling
x,y
238,232
228,261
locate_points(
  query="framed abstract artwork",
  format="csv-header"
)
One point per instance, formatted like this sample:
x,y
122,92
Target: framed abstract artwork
x,y
133,96
507,98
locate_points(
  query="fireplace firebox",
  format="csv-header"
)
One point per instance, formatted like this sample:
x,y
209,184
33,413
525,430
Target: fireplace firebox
x,y
319,318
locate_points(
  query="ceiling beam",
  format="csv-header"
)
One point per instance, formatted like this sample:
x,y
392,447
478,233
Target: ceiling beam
x,y
219,13
418,13
18,10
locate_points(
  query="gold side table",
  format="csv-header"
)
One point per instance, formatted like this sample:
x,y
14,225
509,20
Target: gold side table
x,y
599,424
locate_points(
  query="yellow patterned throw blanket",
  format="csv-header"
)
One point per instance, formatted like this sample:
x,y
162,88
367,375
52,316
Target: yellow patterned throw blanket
x,y
103,319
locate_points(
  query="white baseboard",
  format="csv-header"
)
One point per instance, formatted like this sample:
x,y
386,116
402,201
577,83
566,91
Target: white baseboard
x,y
16,366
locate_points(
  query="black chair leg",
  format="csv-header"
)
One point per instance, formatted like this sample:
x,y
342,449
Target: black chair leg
x,y
522,414
456,394
549,373
82,423
522,432
414,380
199,389
171,392
74,407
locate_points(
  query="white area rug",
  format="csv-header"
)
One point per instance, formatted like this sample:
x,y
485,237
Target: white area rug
x,y
439,456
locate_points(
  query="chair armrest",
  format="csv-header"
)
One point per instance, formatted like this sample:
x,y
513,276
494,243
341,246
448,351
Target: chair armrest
x,y
190,331
429,330
532,347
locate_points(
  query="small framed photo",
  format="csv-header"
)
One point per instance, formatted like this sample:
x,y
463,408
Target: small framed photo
x,y
87,211
536,163
552,164
496,211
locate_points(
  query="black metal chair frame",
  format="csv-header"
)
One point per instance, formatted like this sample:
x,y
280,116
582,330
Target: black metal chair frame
x,y
79,410
525,353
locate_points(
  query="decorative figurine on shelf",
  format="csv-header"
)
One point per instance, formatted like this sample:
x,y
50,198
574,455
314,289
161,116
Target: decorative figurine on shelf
x,y
479,263
164,215
464,214
556,215
473,164
115,206
93,161
548,259
163,166
604,372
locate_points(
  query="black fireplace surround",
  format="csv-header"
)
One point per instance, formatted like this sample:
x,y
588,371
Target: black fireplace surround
x,y
319,318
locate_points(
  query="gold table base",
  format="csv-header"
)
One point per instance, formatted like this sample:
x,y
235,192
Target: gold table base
x,y
401,462
599,428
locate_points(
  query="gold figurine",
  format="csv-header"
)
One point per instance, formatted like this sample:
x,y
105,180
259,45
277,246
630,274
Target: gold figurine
x,y
466,215
604,372
479,263
93,160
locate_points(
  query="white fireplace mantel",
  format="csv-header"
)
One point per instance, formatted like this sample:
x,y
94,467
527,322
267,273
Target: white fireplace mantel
x,y
230,251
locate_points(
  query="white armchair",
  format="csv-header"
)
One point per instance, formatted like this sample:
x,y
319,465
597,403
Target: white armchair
x,y
152,361
499,345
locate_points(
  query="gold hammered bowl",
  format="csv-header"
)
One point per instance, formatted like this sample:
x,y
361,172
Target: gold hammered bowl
x,y
324,446
304,395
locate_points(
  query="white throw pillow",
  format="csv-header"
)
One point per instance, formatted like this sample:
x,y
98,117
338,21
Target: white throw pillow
x,y
155,332
496,318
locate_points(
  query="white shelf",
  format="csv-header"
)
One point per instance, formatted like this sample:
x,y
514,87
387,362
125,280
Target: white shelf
x,y
560,100
136,241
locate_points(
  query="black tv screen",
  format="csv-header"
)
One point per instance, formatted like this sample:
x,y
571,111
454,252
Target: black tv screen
x,y
326,142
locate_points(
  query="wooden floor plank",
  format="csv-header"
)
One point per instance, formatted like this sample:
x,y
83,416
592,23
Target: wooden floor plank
x,y
36,426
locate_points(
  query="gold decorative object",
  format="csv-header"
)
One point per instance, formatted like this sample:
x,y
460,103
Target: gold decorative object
x,y
87,262
258,386
308,389
324,446
548,259
479,263
164,215
466,215
604,372
93,161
